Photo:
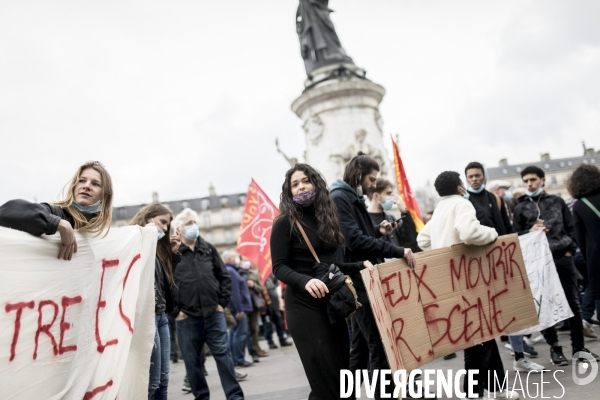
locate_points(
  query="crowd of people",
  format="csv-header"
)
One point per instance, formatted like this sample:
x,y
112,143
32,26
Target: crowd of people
x,y
322,235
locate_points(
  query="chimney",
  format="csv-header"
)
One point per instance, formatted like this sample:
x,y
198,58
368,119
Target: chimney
x,y
155,197
211,190
503,162
546,157
589,151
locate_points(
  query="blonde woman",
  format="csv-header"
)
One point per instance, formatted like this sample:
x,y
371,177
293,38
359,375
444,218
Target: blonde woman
x,y
167,257
86,207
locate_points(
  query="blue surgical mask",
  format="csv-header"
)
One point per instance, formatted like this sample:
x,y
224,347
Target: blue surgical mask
x,y
93,209
534,194
481,189
161,234
191,232
466,194
388,204
507,196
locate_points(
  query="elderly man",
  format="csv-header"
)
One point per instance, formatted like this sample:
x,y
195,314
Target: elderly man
x,y
202,290
455,221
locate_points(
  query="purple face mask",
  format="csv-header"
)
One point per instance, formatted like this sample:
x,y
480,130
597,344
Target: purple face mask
x,y
305,199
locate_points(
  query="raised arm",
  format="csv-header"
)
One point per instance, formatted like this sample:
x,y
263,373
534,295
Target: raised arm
x,y
35,219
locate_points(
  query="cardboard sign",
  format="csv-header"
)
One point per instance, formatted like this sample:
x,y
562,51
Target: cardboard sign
x,y
550,300
78,329
455,298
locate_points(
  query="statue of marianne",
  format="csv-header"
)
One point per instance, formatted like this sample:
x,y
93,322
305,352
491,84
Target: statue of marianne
x,y
319,44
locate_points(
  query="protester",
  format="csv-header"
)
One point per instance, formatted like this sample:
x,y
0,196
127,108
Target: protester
x,y
501,189
167,257
584,185
86,206
322,344
274,316
455,221
538,210
250,274
381,200
239,304
202,289
491,211
362,243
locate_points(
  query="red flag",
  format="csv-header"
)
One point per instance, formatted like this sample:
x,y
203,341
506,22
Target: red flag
x,y
254,241
404,188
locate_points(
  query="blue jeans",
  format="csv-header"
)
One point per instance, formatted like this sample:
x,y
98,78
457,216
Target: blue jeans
x,y
237,340
273,317
589,304
516,342
192,333
159,360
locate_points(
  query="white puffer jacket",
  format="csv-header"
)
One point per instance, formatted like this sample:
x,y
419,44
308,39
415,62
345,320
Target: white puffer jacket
x,y
454,221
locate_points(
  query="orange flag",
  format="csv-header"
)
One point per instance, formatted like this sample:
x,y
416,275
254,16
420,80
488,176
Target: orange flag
x,y
254,241
404,188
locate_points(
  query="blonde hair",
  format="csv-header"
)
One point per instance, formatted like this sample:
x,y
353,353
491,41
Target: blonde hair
x,y
100,221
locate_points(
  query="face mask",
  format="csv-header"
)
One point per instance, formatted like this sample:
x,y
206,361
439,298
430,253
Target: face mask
x,y
534,194
305,199
388,204
507,196
465,194
191,232
245,264
93,209
237,261
478,190
161,234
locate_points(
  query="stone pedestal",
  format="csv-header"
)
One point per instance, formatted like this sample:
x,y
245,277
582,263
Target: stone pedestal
x,y
341,117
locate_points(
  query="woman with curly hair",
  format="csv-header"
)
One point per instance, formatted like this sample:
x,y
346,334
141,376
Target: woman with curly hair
x,y
323,345
584,185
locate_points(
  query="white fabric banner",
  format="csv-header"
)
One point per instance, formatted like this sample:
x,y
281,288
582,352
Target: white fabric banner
x,y
78,329
548,294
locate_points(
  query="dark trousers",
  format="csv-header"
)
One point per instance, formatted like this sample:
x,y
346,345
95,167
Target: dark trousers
x,y
273,317
253,346
484,357
370,347
192,333
568,279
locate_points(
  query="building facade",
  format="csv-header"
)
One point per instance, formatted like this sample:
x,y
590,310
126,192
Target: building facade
x,y
219,221
557,171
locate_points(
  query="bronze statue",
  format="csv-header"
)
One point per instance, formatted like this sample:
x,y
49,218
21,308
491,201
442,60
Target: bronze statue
x,y
319,44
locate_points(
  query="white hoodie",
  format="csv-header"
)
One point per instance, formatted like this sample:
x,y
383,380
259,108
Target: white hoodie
x,y
454,221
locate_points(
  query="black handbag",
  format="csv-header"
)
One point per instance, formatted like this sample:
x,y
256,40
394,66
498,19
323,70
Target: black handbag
x,y
343,300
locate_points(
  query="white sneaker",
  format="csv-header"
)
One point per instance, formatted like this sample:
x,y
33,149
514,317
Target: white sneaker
x,y
506,394
588,330
533,341
526,365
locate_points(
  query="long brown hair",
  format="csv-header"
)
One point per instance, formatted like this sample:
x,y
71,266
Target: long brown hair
x,y
329,229
163,246
94,223
359,166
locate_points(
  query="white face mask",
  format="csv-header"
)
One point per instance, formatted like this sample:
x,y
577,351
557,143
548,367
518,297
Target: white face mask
x,y
245,264
237,261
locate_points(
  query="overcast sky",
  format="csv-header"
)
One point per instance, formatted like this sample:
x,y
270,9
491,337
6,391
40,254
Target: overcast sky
x,y
173,95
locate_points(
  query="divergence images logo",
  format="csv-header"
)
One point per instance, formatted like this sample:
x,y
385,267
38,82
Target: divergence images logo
x,y
581,368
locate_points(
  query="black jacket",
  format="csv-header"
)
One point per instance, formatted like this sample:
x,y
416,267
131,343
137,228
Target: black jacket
x,y
557,219
361,237
488,213
587,231
202,281
35,219
405,234
162,287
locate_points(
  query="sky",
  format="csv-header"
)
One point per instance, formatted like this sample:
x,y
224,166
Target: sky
x,y
171,96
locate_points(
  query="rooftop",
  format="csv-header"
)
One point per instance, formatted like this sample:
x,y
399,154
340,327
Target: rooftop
x,y
212,202
547,164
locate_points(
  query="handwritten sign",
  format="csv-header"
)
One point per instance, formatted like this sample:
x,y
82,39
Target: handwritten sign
x,y
455,298
79,329
550,300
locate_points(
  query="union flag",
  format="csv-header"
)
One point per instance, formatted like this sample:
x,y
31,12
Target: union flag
x,y
254,241
404,188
